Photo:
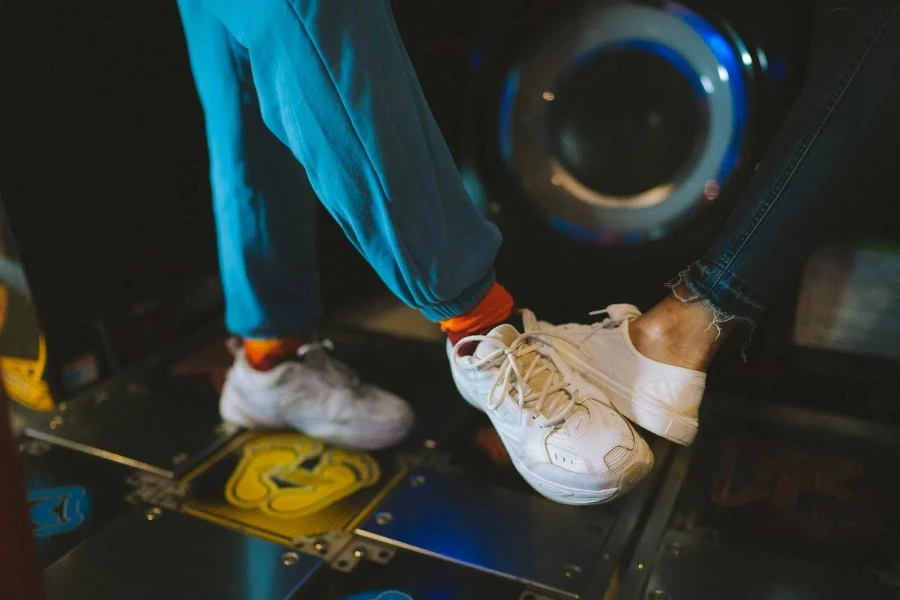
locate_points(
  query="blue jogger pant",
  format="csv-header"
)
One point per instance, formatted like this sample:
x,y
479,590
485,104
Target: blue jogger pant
x,y
307,99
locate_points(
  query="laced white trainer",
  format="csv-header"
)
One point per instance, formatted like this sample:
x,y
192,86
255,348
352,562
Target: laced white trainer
x,y
317,395
571,447
661,398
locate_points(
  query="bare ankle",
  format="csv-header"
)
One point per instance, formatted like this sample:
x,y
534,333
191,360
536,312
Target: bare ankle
x,y
684,334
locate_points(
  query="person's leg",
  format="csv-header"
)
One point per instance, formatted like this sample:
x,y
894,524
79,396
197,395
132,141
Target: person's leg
x,y
264,206
336,86
836,149
265,217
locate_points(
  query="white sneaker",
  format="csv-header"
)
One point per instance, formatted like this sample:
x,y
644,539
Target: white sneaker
x,y
572,448
316,395
661,398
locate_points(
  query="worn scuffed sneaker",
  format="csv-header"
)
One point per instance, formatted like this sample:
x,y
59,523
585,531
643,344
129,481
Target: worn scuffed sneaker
x,y
571,447
317,395
661,398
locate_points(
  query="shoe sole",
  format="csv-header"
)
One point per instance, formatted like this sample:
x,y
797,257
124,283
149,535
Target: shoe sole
x,y
231,412
564,494
641,410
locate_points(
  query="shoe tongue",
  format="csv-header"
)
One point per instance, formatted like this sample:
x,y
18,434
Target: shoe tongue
x,y
503,333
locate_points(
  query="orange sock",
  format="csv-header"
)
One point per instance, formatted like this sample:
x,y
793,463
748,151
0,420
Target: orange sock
x,y
267,353
496,306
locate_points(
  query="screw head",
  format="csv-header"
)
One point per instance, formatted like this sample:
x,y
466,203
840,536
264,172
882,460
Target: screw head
x,y
675,549
657,595
572,571
153,513
359,552
62,406
383,518
321,546
640,566
430,444
56,422
417,481
289,558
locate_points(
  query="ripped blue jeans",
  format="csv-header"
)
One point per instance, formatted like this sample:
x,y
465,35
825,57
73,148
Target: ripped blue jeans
x,y
837,149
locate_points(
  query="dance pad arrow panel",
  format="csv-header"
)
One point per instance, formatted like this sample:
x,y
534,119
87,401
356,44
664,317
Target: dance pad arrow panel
x,y
284,486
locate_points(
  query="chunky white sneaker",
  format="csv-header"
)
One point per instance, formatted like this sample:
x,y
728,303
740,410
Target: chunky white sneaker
x,y
316,395
572,448
661,398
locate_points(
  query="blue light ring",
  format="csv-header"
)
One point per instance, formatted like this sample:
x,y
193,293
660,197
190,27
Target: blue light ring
x,y
725,56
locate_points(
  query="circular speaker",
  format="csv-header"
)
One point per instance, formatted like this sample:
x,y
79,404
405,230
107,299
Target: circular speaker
x,y
620,123
623,122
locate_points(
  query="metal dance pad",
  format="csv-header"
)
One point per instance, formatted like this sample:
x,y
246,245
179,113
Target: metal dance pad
x,y
692,567
412,576
285,486
70,495
744,515
125,422
152,554
520,536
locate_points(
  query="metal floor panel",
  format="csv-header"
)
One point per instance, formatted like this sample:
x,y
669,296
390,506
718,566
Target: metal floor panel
x,y
691,567
70,495
125,422
285,486
413,576
148,554
523,537
759,514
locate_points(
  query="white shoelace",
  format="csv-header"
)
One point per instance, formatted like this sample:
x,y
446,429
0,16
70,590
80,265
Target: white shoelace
x,y
513,378
616,314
